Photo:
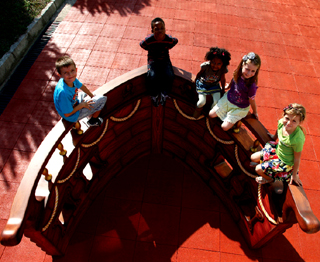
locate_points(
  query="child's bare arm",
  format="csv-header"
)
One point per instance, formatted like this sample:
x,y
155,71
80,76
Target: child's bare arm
x,y
295,176
254,107
86,90
223,82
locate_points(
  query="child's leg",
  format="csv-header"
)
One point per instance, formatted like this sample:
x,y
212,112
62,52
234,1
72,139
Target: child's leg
x,y
96,114
168,77
99,103
260,172
213,113
255,157
215,97
153,79
200,104
226,125
221,107
95,120
202,100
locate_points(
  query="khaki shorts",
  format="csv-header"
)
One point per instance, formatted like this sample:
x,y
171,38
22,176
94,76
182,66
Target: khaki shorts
x,y
229,112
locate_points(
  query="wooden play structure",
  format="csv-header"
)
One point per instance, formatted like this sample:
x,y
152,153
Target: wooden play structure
x,y
74,163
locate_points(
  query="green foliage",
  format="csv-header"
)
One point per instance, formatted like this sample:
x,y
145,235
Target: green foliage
x,y
15,16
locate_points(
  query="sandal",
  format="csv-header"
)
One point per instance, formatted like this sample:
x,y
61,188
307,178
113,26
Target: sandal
x,y
261,180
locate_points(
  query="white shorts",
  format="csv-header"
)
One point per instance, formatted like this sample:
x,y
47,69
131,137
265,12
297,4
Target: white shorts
x,y
229,112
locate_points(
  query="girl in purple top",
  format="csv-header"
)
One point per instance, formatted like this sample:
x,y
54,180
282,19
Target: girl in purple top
x,y
235,104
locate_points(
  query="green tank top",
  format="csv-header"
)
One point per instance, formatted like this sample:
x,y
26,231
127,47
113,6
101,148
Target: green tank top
x,y
289,144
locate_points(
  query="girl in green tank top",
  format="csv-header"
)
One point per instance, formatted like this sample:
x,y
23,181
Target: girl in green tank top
x,y
281,160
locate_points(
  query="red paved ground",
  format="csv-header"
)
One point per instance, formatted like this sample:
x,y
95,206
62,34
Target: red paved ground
x,y
161,214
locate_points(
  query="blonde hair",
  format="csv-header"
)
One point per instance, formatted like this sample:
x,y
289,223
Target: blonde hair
x,y
298,110
295,109
247,59
64,61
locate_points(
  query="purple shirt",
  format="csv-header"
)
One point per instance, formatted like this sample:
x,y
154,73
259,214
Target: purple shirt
x,y
239,93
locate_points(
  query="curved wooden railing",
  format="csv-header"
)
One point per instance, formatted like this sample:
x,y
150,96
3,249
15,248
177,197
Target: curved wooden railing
x,y
72,165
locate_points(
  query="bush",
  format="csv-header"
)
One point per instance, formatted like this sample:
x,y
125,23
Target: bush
x,y
15,16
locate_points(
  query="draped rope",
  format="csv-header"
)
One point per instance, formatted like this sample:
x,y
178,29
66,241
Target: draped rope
x,y
74,169
183,114
54,210
217,138
262,207
100,137
127,117
240,165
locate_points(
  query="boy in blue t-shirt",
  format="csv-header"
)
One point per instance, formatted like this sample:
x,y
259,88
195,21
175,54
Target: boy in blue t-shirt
x,y
71,105
160,72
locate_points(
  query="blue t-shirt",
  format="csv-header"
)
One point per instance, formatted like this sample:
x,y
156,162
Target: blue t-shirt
x,y
65,97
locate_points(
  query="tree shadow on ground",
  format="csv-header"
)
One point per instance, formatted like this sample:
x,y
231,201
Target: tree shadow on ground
x,y
124,8
29,114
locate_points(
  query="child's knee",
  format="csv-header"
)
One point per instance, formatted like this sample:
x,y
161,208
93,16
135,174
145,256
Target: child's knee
x,y
255,157
201,103
212,113
225,128
259,170
201,100
216,97
104,99
226,125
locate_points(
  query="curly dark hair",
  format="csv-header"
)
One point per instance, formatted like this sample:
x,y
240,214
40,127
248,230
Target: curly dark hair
x,y
220,53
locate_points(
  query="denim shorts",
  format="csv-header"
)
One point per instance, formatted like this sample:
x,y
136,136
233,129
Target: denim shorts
x,y
205,89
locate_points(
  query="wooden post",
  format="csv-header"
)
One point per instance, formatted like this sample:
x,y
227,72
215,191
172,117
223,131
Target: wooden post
x,y
236,127
157,128
254,148
62,151
78,127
